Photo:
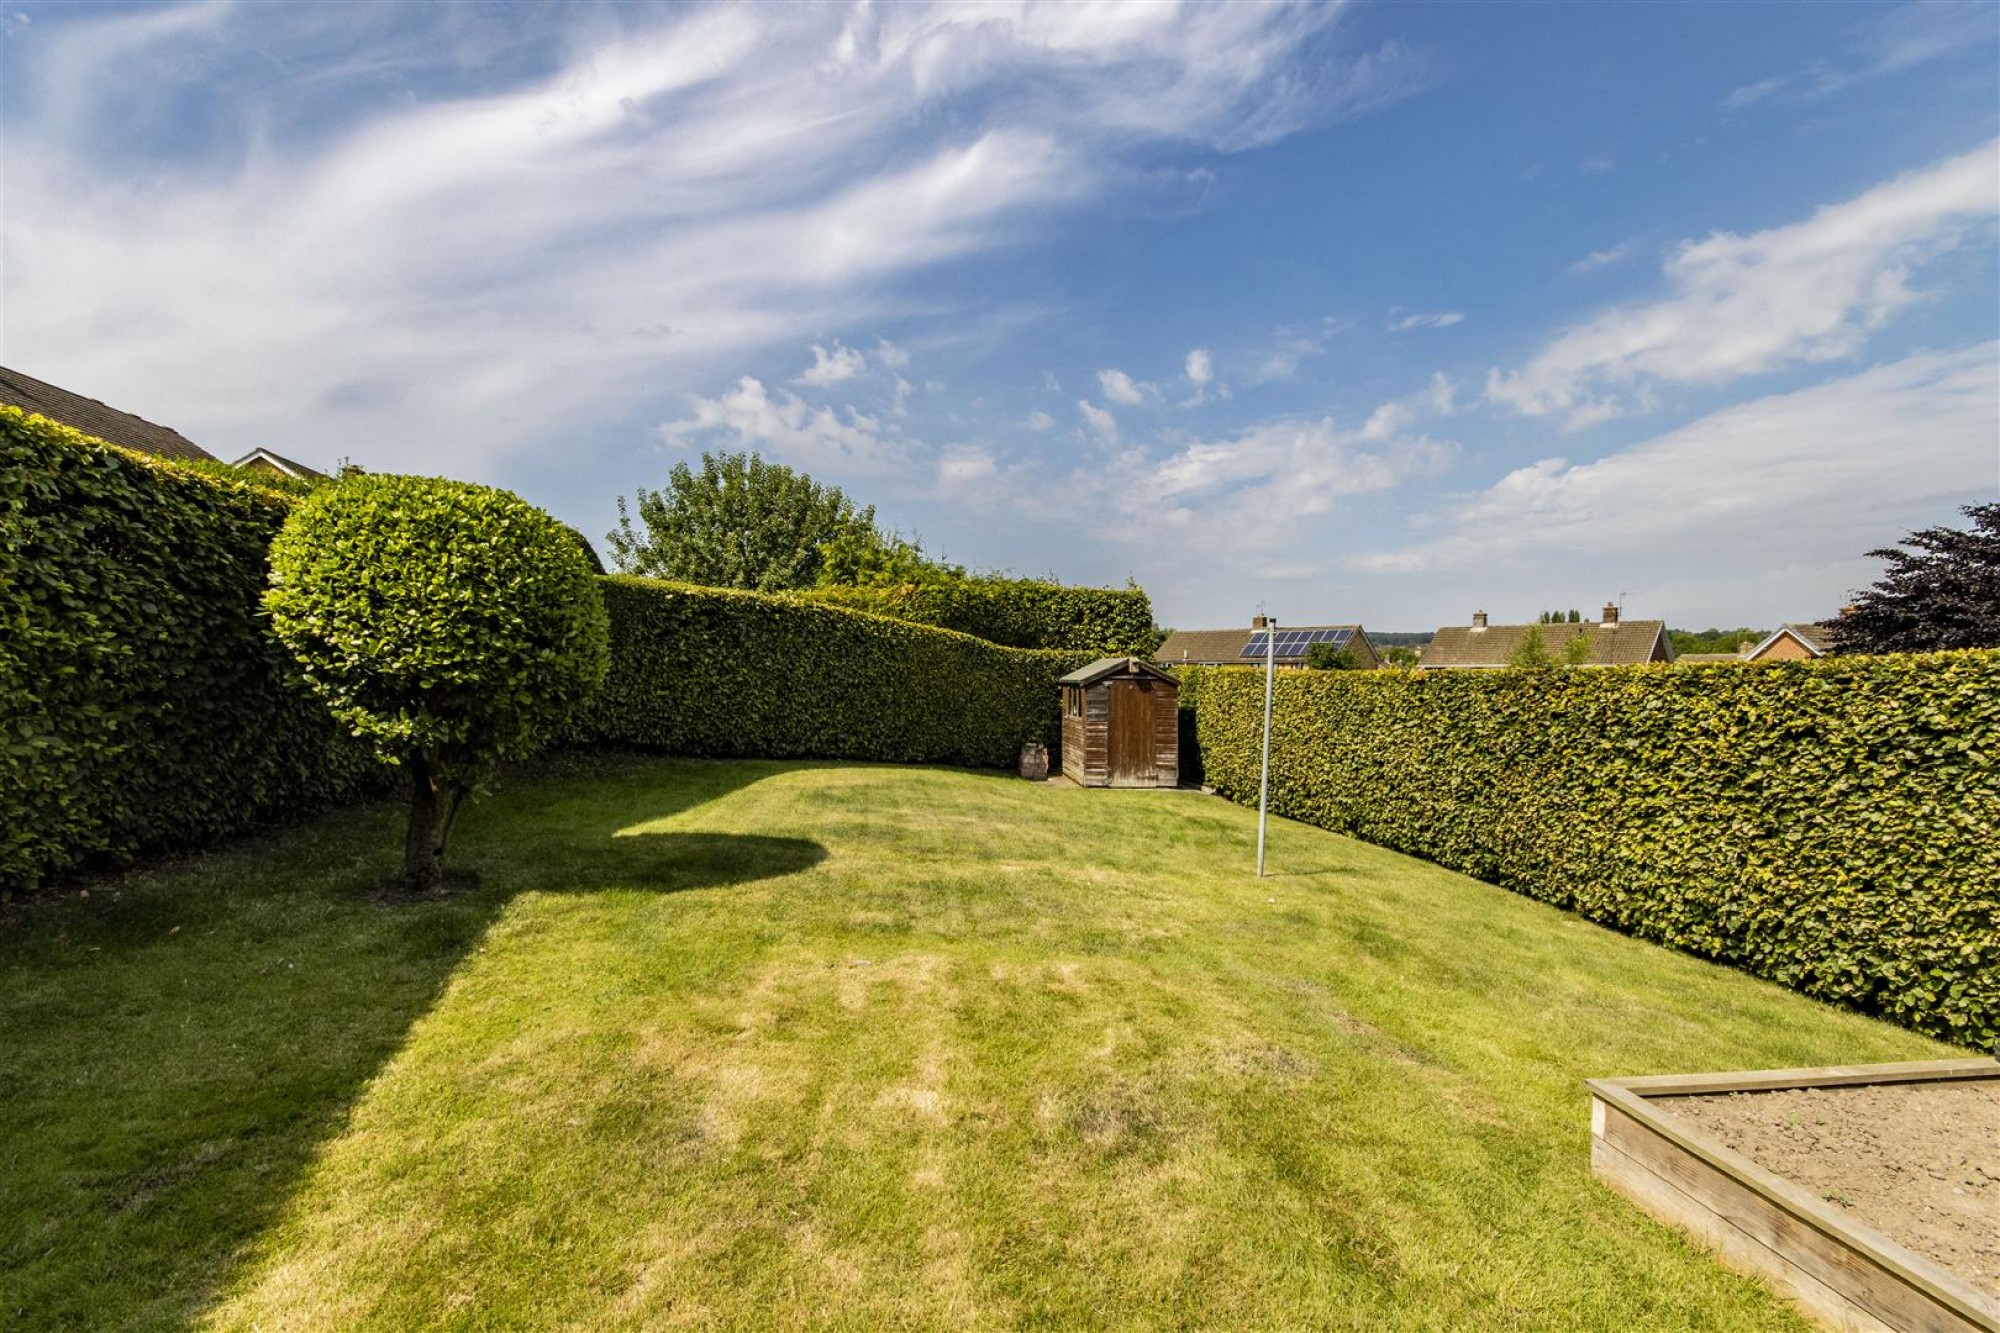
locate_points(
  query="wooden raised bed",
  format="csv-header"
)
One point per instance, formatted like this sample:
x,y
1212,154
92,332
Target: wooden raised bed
x,y
1844,1274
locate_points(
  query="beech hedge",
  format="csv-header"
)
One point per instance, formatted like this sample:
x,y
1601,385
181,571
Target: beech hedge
x,y
722,673
1015,613
143,701
1828,824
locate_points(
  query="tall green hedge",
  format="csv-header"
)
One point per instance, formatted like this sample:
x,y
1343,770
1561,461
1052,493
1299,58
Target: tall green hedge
x,y
715,672
1830,825
1015,613
143,702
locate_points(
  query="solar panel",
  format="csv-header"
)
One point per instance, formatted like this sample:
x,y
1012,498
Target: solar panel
x,y
1294,642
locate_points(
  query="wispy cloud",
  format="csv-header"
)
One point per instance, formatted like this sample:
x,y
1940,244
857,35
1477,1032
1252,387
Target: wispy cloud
x,y
1816,475
1893,42
575,210
1443,319
1741,305
1102,424
1253,492
1605,258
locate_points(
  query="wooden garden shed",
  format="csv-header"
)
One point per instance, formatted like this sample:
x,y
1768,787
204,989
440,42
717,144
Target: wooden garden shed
x,y
1121,725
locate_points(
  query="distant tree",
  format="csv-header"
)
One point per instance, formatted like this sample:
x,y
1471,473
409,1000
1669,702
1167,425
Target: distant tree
x,y
1326,657
739,523
1401,655
1715,640
1532,652
1575,616
1943,594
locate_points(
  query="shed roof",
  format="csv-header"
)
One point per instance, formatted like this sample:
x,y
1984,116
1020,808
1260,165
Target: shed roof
x,y
95,419
1105,667
1624,644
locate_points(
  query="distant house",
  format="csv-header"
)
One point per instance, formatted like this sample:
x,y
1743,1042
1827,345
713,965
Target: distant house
x,y
95,419
1612,642
263,460
1241,647
1790,642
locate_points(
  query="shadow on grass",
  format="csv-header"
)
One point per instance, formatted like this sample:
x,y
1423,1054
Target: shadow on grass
x,y
176,1046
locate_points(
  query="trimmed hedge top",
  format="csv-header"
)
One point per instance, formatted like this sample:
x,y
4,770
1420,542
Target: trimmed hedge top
x,y
715,672
1827,824
1015,613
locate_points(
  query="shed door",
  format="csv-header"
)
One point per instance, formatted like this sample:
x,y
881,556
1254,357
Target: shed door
x,y
1134,751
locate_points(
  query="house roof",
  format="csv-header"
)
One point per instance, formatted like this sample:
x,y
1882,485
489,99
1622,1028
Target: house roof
x,y
279,463
1216,647
1698,659
1624,644
1105,667
1811,637
95,419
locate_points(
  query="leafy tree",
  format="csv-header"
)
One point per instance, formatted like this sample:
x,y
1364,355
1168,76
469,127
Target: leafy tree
x,y
1944,594
1326,657
453,625
1533,653
740,523
1401,654
872,559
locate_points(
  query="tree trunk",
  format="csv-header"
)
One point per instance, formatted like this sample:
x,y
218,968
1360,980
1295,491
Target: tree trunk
x,y
430,808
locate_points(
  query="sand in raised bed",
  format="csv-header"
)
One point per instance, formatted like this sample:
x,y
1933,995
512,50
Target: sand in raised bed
x,y
1917,1162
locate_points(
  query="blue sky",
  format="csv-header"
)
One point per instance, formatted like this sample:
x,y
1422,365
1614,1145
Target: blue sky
x,y
1372,312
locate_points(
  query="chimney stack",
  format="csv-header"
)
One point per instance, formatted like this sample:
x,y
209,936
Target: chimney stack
x,y
1258,622
1610,614
1479,620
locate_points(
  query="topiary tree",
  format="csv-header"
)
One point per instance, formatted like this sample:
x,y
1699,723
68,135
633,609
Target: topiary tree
x,y
453,625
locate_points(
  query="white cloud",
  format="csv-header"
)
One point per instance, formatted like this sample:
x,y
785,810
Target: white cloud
x,y
1102,424
842,363
1040,420
1599,165
1802,480
1442,319
787,428
1120,388
1811,291
440,281
1596,259
1200,368
1254,493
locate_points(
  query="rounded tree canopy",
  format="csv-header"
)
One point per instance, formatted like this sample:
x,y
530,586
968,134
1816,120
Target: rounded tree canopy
x,y
438,617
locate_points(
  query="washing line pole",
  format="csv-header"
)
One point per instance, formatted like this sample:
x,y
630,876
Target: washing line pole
x,y
1264,781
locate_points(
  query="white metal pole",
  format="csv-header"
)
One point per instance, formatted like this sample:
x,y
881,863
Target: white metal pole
x,y
1264,782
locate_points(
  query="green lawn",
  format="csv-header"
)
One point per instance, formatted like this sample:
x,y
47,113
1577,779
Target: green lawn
x,y
768,1045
